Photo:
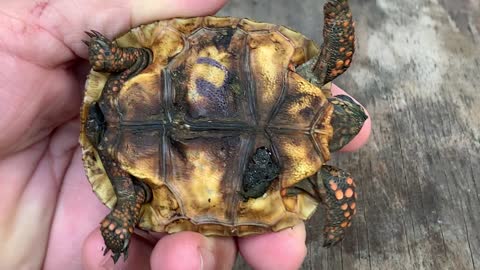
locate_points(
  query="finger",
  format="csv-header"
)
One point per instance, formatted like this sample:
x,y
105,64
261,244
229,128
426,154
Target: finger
x,y
78,212
149,10
362,137
139,254
280,250
189,250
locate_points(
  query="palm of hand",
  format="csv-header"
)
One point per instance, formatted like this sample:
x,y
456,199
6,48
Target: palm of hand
x,y
42,187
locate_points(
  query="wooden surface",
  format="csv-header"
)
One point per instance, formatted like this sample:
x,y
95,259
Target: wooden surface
x,y
417,70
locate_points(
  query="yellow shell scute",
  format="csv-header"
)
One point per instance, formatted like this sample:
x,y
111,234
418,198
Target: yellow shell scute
x,y
96,173
263,210
138,154
249,25
208,176
306,206
139,36
305,49
290,203
304,96
187,25
324,134
93,166
166,45
299,159
296,38
160,211
94,86
206,72
220,22
269,59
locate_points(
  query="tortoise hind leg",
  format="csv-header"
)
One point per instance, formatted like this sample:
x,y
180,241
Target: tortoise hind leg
x,y
118,225
336,190
338,45
338,41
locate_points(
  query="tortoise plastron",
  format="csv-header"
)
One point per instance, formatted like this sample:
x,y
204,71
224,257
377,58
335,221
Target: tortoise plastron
x,y
217,125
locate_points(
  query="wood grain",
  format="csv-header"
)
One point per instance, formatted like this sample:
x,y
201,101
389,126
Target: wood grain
x,y
417,71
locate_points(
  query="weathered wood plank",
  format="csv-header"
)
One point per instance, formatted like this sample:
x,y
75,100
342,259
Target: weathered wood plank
x,y
417,70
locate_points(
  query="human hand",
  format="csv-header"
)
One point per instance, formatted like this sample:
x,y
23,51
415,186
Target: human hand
x,y
49,215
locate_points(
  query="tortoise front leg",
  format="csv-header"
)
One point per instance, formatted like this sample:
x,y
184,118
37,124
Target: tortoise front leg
x,y
106,56
336,190
123,63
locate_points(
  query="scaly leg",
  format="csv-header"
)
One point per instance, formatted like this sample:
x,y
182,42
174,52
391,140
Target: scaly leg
x,y
117,227
122,63
105,56
338,41
337,49
336,190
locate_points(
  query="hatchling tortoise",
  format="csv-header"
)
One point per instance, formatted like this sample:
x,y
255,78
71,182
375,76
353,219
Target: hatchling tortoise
x,y
219,125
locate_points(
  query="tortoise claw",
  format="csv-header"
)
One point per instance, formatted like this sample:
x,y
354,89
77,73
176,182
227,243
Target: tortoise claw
x,y
106,251
125,255
97,38
90,34
115,257
98,34
86,42
94,33
328,243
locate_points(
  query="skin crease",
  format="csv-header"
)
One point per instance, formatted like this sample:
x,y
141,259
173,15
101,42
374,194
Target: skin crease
x,y
49,216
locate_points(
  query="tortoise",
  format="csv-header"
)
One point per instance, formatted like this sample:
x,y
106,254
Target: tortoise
x,y
219,125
